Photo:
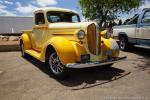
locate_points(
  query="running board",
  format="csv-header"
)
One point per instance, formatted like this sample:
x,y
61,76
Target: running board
x,y
34,54
141,46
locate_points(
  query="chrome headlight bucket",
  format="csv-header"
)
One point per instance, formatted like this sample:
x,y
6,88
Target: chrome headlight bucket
x,y
81,34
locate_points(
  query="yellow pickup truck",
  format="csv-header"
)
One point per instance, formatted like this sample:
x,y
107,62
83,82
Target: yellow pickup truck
x,y
59,39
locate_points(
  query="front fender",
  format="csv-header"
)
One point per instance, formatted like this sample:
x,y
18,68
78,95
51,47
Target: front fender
x,y
68,51
26,41
109,45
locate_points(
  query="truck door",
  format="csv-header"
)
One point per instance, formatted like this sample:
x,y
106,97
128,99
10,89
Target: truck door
x,y
39,30
145,29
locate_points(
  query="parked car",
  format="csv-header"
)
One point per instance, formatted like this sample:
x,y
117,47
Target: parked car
x,y
136,32
59,39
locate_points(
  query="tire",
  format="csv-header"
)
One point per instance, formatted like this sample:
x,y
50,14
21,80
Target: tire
x,y
56,68
22,50
123,44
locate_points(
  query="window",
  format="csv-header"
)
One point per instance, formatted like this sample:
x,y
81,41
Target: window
x,y
133,20
54,17
39,19
146,18
74,19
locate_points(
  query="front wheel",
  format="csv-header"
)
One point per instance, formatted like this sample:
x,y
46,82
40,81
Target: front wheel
x,y
57,69
123,44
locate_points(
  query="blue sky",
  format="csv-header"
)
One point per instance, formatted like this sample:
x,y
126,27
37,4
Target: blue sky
x,y
26,7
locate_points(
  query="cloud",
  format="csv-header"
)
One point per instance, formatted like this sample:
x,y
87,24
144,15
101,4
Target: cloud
x,y
31,6
8,2
1,1
2,6
145,5
25,10
4,12
44,3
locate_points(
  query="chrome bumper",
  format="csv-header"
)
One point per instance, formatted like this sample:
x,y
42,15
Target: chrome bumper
x,y
93,64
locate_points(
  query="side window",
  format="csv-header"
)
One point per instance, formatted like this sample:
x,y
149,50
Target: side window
x,y
54,19
39,19
75,19
133,20
146,18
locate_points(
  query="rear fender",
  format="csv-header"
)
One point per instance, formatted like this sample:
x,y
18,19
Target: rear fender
x,y
26,41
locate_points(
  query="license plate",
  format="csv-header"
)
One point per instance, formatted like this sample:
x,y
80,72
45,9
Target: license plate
x,y
85,58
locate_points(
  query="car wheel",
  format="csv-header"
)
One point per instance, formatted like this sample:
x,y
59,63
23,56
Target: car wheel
x,y
22,50
57,69
123,44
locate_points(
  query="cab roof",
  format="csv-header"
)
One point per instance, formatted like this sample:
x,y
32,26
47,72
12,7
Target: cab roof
x,y
45,9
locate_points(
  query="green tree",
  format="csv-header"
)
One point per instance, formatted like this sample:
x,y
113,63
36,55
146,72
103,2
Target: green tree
x,y
106,10
120,22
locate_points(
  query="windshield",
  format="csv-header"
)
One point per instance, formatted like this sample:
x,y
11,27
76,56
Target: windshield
x,y
54,17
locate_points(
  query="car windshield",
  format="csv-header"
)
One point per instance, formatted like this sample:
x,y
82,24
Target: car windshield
x,y
54,17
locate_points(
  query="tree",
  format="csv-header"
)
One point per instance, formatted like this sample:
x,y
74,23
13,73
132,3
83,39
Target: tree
x,y
120,22
106,10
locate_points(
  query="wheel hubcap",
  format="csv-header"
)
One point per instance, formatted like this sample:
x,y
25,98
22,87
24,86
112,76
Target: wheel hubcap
x,y
55,65
122,44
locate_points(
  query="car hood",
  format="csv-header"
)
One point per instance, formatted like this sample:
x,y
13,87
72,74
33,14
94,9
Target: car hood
x,y
63,25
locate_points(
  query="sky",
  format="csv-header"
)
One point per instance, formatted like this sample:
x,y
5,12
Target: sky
x,y
26,7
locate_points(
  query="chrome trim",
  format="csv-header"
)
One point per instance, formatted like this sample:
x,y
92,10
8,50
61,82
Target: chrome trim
x,y
142,46
94,64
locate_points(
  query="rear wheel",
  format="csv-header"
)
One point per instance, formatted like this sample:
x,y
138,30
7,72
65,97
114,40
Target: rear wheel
x,y
57,69
22,50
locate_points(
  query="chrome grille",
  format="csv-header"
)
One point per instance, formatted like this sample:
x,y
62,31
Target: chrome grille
x,y
92,38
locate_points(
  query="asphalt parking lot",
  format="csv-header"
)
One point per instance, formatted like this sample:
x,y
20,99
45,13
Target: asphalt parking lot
x,y
28,79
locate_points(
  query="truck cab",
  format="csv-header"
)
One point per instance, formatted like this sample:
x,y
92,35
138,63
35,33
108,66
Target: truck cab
x,y
136,32
62,41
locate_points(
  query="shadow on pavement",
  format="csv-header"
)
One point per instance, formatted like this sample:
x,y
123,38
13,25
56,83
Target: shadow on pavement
x,y
145,57
89,76
141,52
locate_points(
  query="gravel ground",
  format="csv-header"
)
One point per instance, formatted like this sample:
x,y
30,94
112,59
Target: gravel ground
x,y
28,79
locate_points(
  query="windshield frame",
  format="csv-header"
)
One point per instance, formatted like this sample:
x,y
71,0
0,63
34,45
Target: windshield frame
x,y
62,12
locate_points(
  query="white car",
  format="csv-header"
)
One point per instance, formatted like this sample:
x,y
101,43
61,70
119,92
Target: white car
x,y
136,32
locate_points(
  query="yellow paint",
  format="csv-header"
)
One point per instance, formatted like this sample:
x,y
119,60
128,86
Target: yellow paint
x,y
26,41
63,38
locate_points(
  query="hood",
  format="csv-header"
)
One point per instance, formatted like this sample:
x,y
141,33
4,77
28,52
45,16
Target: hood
x,y
64,25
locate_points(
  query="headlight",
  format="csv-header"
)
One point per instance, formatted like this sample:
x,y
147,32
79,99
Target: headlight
x,y
81,34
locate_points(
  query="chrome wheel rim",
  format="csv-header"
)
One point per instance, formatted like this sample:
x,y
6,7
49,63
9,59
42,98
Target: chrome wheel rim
x,y
122,44
55,65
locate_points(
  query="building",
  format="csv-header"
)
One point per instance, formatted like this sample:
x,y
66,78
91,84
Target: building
x,y
15,24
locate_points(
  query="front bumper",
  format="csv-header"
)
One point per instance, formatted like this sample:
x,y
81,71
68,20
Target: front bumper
x,y
93,64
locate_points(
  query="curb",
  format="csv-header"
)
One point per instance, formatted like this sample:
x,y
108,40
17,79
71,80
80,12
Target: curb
x,y
6,48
